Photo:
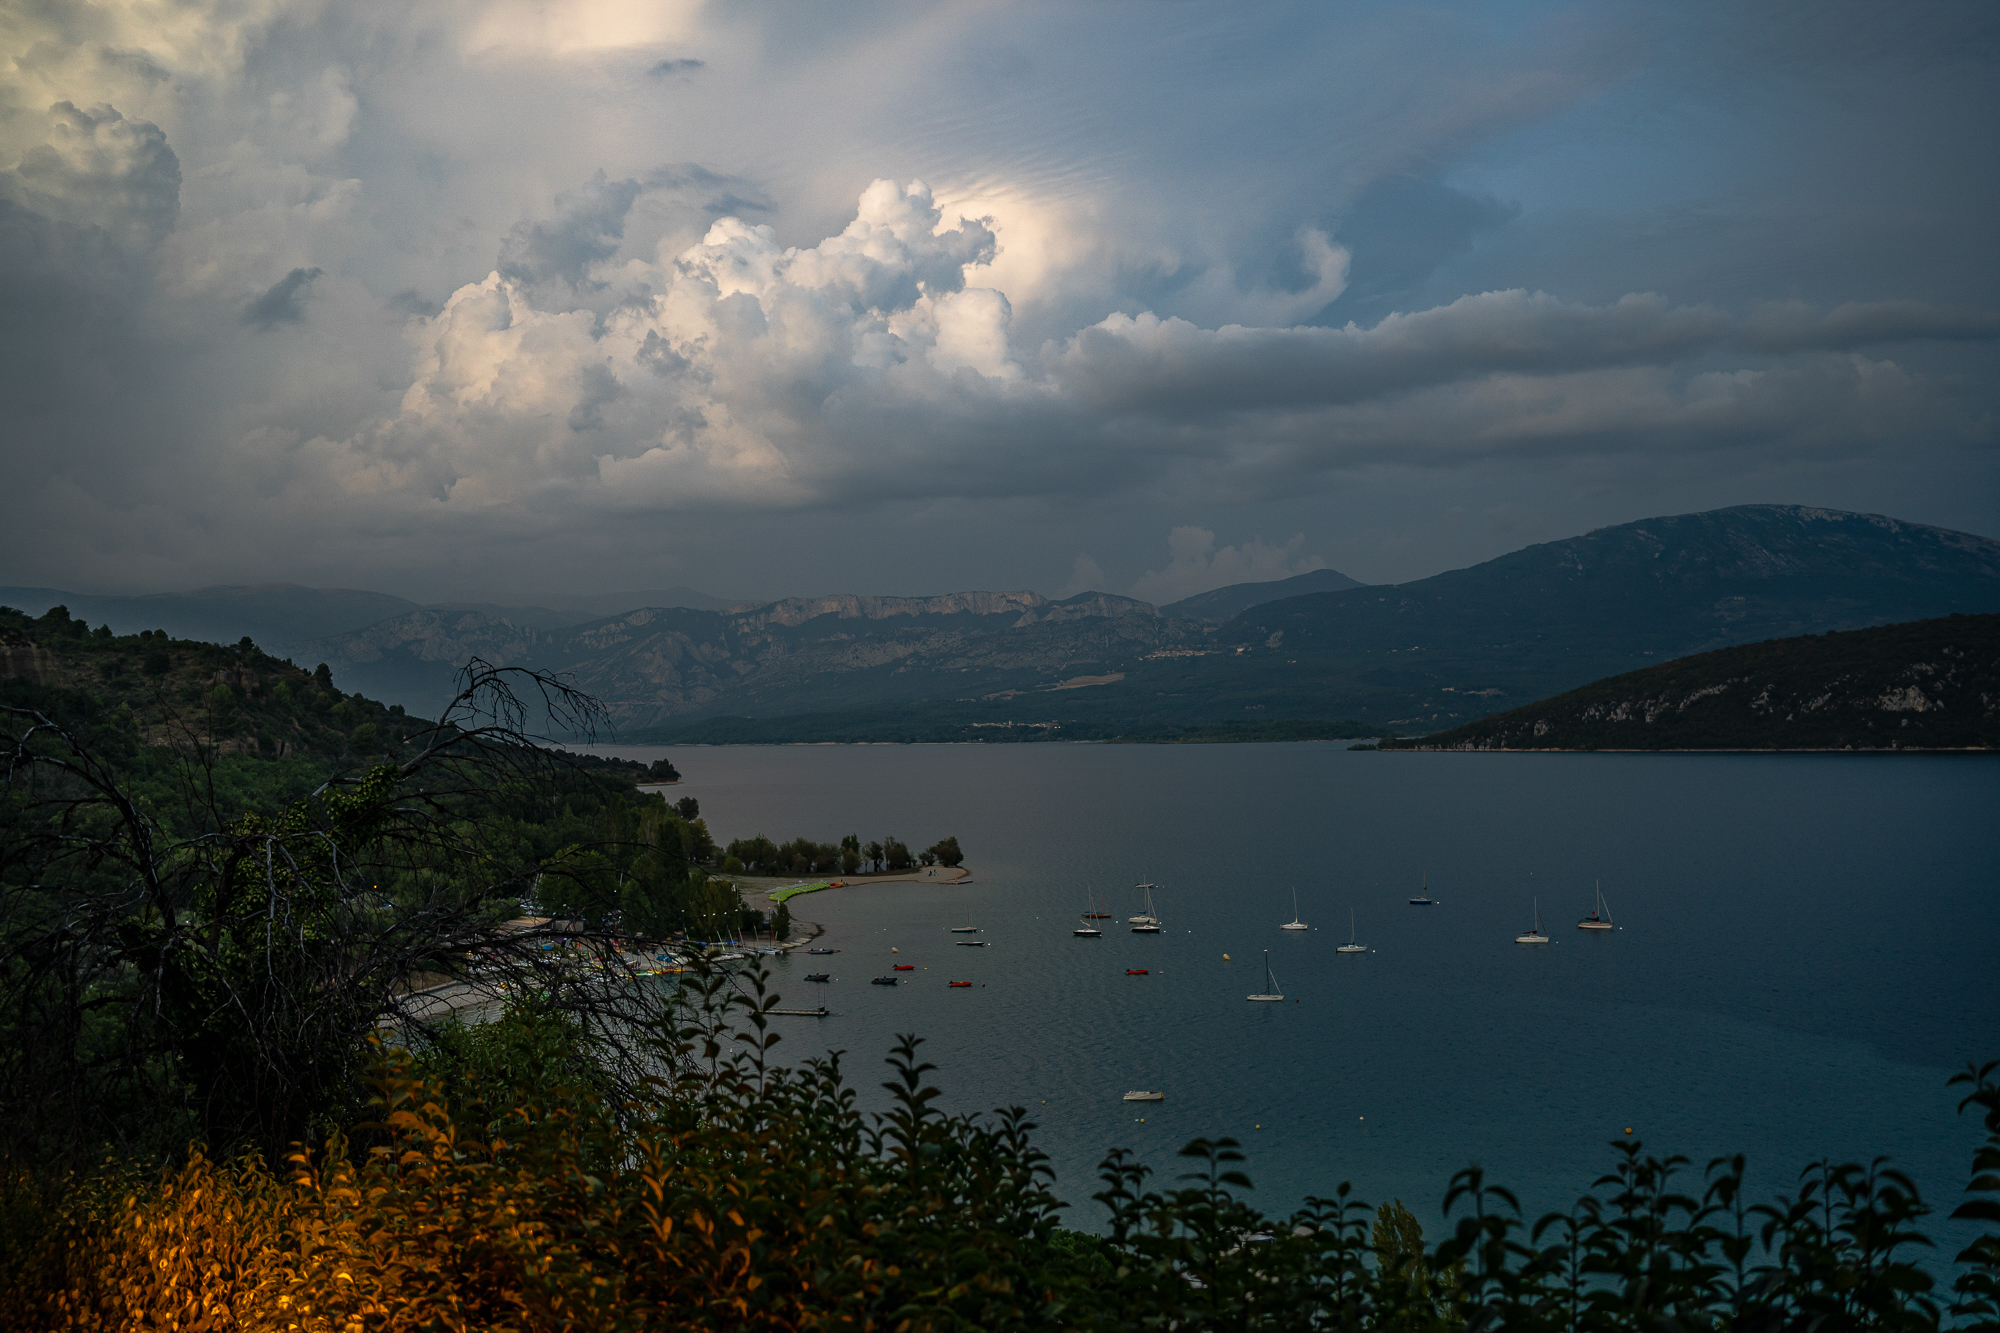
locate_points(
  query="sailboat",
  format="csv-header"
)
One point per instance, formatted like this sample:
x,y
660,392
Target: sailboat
x,y
1600,915
967,929
1352,945
1534,936
1149,924
1087,930
1423,898
1145,918
1295,923
1093,914
1271,992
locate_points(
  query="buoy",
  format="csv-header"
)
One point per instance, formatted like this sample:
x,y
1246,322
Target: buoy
x,y
1225,958
1628,1129
894,949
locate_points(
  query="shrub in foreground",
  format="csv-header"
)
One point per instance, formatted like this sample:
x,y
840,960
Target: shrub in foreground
x,y
747,1195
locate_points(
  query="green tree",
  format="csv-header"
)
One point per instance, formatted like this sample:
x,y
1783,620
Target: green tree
x,y
873,853
947,853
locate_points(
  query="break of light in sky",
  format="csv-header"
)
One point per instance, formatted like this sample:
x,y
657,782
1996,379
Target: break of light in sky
x,y
475,298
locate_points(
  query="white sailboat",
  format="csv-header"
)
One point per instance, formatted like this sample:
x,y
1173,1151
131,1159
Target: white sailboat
x,y
1149,923
1271,991
1086,929
1353,945
1534,936
1295,923
1145,918
1600,915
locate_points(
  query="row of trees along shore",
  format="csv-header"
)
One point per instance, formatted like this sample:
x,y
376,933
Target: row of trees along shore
x,y
803,856
226,1102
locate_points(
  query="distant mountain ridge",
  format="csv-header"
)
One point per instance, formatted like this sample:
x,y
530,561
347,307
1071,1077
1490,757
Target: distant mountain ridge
x,y
1415,657
1225,603
1926,685
1560,614
654,665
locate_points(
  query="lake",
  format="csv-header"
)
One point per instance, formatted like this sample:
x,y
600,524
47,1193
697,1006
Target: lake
x,y
1806,951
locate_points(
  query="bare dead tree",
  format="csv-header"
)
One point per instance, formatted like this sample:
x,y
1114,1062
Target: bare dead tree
x,y
157,985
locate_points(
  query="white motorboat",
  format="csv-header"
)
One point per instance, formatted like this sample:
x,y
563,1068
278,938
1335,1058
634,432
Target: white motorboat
x,y
1353,945
1295,923
1145,1096
1600,915
1271,992
1534,936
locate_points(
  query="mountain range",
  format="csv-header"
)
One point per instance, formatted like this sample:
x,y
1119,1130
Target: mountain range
x,y
1318,655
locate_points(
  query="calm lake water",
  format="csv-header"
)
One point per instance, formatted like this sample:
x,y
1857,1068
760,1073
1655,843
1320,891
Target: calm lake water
x,y
1807,950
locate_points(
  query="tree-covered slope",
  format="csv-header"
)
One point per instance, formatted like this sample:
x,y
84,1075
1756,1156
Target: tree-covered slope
x,y
1928,685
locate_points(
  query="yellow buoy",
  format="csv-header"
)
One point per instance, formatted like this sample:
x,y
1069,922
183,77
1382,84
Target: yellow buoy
x,y
1225,958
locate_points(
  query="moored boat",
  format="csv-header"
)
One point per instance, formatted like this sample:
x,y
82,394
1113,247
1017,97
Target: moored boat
x,y
1271,993
1145,1096
1534,936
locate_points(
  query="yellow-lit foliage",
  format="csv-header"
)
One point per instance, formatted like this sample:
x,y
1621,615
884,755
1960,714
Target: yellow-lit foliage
x,y
732,1210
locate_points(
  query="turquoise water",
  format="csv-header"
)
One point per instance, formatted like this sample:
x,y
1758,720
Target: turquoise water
x,y
1806,952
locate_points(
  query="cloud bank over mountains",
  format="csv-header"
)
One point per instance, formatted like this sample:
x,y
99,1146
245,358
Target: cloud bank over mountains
x,y
490,292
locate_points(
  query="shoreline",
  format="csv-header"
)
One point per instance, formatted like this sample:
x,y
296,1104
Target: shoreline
x,y
768,884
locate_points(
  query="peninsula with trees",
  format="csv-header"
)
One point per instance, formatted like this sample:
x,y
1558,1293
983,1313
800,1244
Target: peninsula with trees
x,y
1925,685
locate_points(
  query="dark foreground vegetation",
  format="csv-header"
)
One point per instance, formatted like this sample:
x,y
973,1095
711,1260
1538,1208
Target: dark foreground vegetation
x,y
226,1105
494,1185
1925,685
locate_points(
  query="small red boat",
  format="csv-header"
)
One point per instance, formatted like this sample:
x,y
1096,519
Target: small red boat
x,y
961,983
904,967
1135,971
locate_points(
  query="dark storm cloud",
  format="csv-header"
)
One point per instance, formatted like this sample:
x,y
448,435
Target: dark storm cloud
x,y
586,229
1292,258
283,302
1171,366
96,169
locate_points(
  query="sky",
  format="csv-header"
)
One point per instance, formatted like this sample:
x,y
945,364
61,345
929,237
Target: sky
x,y
498,298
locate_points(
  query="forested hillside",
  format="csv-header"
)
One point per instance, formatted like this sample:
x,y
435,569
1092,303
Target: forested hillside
x,y
1928,685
